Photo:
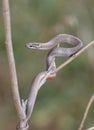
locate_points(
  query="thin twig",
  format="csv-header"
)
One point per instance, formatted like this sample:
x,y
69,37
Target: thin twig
x,y
12,68
86,113
74,56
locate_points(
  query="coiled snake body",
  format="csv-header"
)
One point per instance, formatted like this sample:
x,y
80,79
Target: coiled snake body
x,y
55,50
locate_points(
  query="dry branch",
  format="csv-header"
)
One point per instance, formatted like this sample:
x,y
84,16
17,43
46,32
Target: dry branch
x,y
12,68
86,113
74,56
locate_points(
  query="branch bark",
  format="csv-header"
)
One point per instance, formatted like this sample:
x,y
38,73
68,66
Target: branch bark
x,y
11,61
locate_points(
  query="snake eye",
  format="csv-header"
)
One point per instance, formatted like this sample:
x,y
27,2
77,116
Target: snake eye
x,y
35,45
32,45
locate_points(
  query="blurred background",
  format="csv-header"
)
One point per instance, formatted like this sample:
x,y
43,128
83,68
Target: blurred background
x,y
61,102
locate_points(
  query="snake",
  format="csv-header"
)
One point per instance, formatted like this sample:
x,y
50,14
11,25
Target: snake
x,y
56,50
37,82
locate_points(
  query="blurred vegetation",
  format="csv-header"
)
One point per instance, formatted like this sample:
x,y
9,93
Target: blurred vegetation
x,y
60,103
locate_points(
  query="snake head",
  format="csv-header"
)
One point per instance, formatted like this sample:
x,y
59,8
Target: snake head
x,y
33,45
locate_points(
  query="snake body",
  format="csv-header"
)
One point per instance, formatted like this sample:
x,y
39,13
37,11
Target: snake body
x,y
37,82
57,40
55,50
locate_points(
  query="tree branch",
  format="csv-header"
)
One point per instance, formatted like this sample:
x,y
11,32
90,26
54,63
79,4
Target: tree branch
x,y
86,113
74,56
12,68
